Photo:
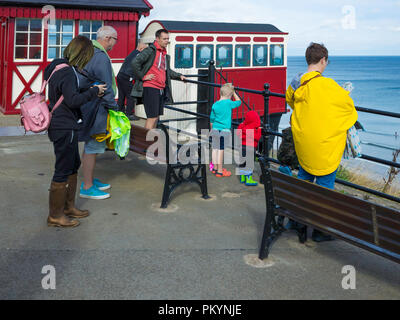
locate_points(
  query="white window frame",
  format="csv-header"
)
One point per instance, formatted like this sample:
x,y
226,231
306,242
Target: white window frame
x,y
91,33
267,55
283,53
28,46
195,52
234,49
60,46
193,47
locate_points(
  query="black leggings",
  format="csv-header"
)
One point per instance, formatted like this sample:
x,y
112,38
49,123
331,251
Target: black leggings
x,y
66,149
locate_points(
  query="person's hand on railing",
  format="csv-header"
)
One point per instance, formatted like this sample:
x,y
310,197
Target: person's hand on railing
x,y
183,78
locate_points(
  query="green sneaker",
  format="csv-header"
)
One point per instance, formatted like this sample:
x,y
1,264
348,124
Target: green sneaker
x,y
242,178
250,181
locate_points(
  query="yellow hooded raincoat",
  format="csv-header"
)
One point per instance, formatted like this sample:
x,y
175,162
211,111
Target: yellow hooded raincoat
x,y
322,113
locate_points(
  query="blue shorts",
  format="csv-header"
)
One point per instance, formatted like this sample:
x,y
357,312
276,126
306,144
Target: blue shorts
x,y
218,139
92,146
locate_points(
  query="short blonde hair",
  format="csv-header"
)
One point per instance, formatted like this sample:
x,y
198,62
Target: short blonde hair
x,y
227,90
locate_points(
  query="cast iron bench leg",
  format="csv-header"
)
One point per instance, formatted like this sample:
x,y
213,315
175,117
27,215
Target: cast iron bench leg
x,y
167,190
268,236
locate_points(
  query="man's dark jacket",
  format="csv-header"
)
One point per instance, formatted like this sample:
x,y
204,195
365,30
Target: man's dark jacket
x,y
126,67
142,64
95,112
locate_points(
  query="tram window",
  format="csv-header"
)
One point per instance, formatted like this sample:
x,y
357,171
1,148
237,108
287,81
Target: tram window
x,y
184,56
204,53
224,55
242,55
260,53
276,55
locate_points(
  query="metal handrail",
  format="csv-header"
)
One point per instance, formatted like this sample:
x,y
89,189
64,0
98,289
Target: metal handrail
x,y
185,102
380,112
267,94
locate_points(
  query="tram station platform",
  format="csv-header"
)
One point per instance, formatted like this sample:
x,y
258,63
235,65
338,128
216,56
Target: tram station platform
x,y
129,248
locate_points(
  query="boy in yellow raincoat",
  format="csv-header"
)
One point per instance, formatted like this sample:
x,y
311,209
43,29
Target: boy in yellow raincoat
x,y
322,113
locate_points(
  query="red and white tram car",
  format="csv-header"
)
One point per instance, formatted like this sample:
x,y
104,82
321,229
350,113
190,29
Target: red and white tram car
x,y
248,54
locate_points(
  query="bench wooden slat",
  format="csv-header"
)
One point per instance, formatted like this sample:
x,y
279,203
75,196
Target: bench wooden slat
x,y
296,199
139,144
339,214
322,219
319,195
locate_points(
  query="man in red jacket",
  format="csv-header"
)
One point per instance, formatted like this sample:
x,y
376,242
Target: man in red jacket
x,y
250,133
153,74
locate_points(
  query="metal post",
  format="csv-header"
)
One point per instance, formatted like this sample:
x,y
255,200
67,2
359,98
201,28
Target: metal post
x,y
266,119
211,78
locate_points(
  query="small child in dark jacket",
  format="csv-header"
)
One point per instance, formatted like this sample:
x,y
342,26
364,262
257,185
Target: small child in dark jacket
x,y
250,133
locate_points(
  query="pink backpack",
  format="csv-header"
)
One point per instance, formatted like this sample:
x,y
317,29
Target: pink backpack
x,y
35,115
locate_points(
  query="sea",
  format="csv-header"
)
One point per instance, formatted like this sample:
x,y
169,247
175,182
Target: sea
x,y
376,83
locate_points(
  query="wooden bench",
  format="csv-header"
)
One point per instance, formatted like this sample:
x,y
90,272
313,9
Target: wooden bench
x,y
362,223
177,173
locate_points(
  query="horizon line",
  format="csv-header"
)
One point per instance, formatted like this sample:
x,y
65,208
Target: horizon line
x,y
351,55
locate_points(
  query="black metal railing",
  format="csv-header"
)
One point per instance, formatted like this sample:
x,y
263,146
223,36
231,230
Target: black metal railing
x,y
267,132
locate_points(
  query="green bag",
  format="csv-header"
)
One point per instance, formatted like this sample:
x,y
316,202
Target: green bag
x,y
120,127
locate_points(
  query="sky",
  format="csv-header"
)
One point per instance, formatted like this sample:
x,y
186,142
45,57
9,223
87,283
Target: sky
x,y
358,27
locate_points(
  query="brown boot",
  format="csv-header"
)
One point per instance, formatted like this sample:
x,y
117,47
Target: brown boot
x,y
57,197
69,209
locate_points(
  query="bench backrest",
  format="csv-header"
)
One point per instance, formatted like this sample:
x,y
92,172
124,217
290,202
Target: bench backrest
x,y
365,224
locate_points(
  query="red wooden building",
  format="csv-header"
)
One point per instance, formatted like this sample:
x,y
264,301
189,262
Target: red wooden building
x,y
27,46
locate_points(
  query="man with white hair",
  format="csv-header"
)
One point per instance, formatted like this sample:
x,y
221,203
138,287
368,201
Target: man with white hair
x,y
98,70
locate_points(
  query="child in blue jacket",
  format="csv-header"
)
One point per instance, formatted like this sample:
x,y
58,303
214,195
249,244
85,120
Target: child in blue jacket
x,y
221,122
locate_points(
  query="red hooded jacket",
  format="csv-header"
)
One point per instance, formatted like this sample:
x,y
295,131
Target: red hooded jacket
x,y
251,122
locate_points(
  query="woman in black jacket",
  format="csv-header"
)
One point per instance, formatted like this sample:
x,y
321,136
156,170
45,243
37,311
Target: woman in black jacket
x,y
63,130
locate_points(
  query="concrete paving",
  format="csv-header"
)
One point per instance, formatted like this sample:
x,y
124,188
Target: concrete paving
x,y
130,249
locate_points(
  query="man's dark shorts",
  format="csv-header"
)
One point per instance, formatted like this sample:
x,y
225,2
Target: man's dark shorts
x,y
153,102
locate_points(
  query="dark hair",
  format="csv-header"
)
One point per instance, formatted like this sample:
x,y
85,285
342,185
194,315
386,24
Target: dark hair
x,y
79,52
315,52
158,33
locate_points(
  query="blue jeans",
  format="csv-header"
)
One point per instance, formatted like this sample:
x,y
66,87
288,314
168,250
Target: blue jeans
x,y
327,181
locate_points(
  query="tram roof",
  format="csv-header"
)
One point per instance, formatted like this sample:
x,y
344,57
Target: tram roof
x,y
217,26
127,5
